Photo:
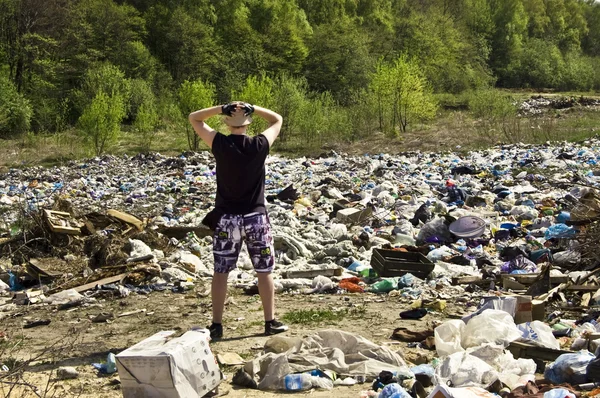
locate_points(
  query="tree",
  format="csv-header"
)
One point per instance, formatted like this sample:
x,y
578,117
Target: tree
x,y
194,95
101,120
289,95
339,60
15,110
591,41
285,30
510,21
257,90
99,31
450,61
146,121
324,12
403,94
104,77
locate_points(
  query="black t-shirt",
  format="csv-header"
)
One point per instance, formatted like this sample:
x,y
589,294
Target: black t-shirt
x,y
240,173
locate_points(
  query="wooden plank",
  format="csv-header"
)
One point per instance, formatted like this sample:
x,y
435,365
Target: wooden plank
x,y
181,232
39,268
126,218
312,273
465,280
528,279
525,350
583,288
508,283
105,281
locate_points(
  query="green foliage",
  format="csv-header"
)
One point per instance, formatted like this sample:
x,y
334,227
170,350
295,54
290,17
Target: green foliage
x,y
140,92
311,60
192,96
15,110
101,120
106,78
146,121
403,95
496,113
289,95
339,60
258,90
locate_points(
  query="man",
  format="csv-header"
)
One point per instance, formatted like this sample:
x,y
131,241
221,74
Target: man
x,y
240,213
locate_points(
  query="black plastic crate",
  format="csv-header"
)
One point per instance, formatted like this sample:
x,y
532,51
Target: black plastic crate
x,y
398,263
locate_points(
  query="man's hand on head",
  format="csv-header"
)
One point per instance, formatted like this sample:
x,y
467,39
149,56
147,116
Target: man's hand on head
x,y
229,108
247,108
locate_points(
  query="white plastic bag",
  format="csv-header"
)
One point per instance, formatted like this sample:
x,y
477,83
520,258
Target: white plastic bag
x,y
491,326
469,392
448,337
464,370
539,333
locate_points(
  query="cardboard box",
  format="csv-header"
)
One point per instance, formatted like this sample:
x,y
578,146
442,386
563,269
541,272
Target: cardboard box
x,y
538,310
523,311
166,367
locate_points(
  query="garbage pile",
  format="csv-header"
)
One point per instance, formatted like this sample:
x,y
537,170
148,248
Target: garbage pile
x,y
517,222
539,104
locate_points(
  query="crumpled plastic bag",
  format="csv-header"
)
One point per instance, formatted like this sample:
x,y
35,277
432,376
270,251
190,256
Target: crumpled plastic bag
x,y
351,285
464,370
539,334
3,287
569,368
64,297
322,284
559,393
491,326
560,231
519,263
334,350
449,270
448,337
435,229
139,249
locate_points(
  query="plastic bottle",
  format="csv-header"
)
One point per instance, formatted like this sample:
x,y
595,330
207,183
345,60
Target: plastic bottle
x,y
111,363
297,382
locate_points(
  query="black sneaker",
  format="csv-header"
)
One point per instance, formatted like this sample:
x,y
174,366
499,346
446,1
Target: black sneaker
x,y
216,331
274,327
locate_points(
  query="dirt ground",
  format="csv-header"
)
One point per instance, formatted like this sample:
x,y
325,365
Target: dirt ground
x,y
79,342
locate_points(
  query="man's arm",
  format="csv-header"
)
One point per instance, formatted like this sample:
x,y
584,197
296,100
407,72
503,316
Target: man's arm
x,y
204,131
275,121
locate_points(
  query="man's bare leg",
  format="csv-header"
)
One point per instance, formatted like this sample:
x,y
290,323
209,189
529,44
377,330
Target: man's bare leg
x,y
266,289
218,295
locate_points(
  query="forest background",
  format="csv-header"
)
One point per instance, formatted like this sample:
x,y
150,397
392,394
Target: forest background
x,y
88,77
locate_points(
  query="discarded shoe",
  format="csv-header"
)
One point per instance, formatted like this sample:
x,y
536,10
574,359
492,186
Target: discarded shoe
x,y
414,314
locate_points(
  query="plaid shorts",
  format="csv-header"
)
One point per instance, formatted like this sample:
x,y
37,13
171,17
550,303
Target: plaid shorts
x,y
255,230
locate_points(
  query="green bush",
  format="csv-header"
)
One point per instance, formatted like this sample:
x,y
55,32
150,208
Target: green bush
x,y
15,110
579,72
101,120
106,78
496,114
403,95
192,96
289,96
145,123
139,92
361,116
258,90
